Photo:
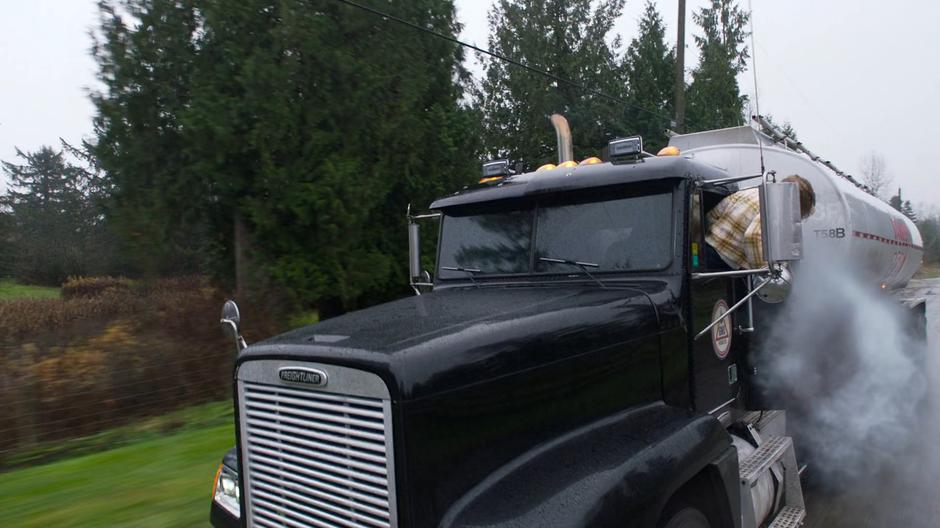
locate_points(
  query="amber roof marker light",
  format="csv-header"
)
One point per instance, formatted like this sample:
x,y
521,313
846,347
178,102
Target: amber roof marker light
x,y
669,151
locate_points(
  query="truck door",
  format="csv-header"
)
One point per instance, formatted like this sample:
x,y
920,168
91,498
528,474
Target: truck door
x,y
714,355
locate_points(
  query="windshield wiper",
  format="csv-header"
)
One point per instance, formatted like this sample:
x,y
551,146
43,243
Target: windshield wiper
x,y
468,271
583,266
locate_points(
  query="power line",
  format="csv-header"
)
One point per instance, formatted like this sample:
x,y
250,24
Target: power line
x,y
501,57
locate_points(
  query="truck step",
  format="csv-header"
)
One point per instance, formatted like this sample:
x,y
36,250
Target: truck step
x,y
771,450
789,517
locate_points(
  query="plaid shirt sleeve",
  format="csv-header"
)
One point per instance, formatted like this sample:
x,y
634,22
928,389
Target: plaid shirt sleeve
x,y
734,229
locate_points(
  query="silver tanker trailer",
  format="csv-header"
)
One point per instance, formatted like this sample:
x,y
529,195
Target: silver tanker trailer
x,y
883,244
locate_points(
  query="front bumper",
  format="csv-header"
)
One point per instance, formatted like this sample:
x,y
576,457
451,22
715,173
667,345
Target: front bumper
x,y
221,518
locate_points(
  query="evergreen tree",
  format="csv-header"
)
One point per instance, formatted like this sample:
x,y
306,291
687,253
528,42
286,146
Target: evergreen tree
x,y
902,205
714,99
929,228
568,39
908,210
335,121
145,54
305,129
895,200
102,246
48,216
649,66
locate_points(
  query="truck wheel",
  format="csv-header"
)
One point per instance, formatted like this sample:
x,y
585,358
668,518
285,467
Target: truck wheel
x,y
687,517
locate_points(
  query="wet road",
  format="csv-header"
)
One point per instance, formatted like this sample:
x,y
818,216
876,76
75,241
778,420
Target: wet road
x,y
904,494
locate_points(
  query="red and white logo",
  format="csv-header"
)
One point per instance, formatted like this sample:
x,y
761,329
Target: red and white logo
x,y
721,332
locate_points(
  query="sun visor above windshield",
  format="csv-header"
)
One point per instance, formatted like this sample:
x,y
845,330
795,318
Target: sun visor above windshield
x,y
583,177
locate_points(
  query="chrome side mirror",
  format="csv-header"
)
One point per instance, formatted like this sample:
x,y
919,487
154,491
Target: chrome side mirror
x,y
231,318
782,235
778,288
781,223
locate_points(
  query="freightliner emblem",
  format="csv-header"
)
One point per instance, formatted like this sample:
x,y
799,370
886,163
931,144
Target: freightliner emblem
x,y
306,376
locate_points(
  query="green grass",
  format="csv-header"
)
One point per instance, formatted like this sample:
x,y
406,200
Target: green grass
x,y
163,482
13,290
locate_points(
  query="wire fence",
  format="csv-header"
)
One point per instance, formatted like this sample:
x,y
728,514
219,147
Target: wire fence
x,y
97,371
47,406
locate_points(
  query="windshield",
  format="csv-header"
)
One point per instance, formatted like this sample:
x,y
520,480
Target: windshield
x,y
631,233
489,242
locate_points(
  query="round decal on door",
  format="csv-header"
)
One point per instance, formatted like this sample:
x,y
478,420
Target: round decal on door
x,y
721,332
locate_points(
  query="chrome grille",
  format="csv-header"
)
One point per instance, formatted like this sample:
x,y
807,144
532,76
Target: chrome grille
x,y
318,457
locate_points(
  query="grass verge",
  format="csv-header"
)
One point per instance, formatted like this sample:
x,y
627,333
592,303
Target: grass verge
x,y
12,290
161,482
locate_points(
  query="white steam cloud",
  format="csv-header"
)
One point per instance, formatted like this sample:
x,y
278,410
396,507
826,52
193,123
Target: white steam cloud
x,y
842,359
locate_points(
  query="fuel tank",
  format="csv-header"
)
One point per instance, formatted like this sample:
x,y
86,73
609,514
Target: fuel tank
x,y
875,239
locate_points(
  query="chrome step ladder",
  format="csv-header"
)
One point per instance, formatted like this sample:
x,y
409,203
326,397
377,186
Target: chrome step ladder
x,y
771,450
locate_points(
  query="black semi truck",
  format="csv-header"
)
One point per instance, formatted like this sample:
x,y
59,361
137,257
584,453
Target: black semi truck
x,y
576,360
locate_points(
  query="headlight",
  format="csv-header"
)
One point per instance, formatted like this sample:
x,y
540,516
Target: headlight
x,y
225,492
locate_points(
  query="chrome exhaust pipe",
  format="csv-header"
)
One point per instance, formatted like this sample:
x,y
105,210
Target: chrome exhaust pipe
x,y
563,134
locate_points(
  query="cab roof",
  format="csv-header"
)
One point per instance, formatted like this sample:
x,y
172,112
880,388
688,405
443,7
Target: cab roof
x,y
583,177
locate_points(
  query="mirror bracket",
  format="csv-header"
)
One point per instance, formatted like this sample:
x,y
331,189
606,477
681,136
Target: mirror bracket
x,y
418,279
230,320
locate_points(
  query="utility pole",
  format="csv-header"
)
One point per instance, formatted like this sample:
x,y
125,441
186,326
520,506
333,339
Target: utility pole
x,y
680,70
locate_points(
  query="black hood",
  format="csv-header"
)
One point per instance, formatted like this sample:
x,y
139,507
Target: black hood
x,y
440,341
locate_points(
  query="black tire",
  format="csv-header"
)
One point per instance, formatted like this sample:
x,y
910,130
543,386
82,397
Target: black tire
x,y
686,517
693,506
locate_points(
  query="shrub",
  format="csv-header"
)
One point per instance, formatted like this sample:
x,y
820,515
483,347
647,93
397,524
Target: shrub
x,y
47,319
76,287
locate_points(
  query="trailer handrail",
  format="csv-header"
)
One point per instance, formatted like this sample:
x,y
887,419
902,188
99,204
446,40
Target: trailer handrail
x,y
778,136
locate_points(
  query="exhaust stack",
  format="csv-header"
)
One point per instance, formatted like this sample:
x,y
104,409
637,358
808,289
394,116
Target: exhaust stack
x,y
563,133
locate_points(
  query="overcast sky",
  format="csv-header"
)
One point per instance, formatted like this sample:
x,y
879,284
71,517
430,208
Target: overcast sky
x,y
852,76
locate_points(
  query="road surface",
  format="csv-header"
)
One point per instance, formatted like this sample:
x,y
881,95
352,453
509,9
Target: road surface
x,y
905,494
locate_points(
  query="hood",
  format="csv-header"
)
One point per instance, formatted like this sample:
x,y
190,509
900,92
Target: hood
x,y
450,338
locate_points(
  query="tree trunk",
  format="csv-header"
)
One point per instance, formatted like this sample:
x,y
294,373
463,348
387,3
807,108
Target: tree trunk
x,y
240,262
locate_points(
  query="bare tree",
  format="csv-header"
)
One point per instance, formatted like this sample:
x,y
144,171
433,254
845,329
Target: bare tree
x,y
875,173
